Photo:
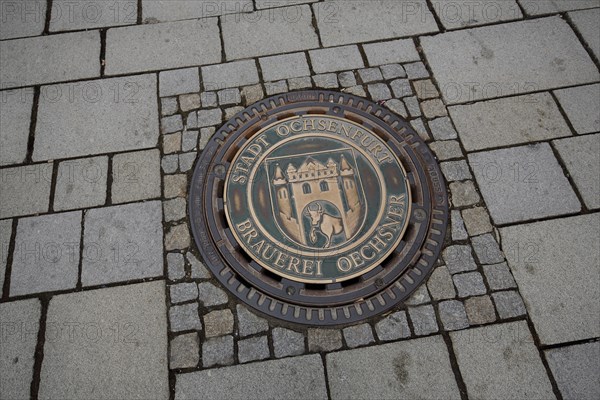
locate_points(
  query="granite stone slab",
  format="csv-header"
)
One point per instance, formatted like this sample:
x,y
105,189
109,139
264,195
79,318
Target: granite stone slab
x,y
15,119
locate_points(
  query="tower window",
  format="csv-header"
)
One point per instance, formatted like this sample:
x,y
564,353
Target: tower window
x,y
306,189
324,186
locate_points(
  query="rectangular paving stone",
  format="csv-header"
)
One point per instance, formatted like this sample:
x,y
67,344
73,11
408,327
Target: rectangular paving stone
x,y
418,368
523,183
501,362
455,14
124,111
89,333
509,121
70,15
81,183
46,255
5,234
25,190
257,34
586,23
22,18
173,10
581,156
136,176
352,22
15,118
178,81
43,59
285,66
174,45
290,378
537,7
121,243
20,323
575,369
263,4
507,59
234,74
395,51
557,278
581,104
336,59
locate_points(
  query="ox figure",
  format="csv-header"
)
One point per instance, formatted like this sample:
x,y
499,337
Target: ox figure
x,y
327,224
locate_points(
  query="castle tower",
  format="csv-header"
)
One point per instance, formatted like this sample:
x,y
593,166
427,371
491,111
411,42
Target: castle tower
x,y
349,184
282,193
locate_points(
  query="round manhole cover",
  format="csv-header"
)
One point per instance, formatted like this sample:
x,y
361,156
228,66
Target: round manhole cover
x,y
318,208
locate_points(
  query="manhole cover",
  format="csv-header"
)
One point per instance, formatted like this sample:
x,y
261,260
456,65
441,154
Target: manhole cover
x,y
318,208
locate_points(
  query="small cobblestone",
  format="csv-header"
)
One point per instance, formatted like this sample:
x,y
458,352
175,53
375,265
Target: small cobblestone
x,y
210,295
300,83
171,124
186,161
459,232
416,70
369,75
469,284
464,194
172,143
170,163
434,108
232,111
324,340
458,258
253,349
419,127
446,149
420,296
397,107
287,342
191,121
393,71
185,317
175,266
326,81
218,323
379,91
177,238
456,170
175,185
189,141
249,323
185,351
442,129
229,96
209,117
480,310
358,335
423,320
273,88
174,210
209,99
198,270
477,221
412,104
401,88
168,106
509,304
453,315
499,277
440,284
487,249
252,94
347,79
393,327
205,135
217,351
425,89
357,91
183,292
188,102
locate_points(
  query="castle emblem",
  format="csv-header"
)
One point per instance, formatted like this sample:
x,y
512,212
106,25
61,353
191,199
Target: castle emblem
x,y
318,203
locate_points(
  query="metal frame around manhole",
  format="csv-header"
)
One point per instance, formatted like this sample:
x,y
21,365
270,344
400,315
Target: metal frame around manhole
x,y
327,304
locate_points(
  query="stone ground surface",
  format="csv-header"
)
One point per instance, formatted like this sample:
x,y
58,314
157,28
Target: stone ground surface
x,y
105,106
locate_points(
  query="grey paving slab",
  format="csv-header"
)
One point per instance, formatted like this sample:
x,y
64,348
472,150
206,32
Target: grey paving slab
x,y
264,4
523,183
501,362
561,301
507,59
509,121
5,234
69,15
124,111
221,76
351,22
291,378
122,243
81,183
178,81
581,156
39,60
418,368
20,324
455,15
89,333
25,190
586,23
22,19
576,370
395,51
15,118
336,59
46,255
285,66
136,176
173,10
581,104
174,45
286,30
537,7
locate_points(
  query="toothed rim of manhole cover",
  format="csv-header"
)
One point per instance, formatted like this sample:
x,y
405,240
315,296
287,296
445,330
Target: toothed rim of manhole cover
x,y
318,208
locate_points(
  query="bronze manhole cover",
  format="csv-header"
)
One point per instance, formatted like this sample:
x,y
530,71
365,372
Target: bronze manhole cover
x,y
318,208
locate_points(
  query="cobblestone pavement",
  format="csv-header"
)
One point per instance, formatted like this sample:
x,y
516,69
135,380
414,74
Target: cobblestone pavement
x,y
105,105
